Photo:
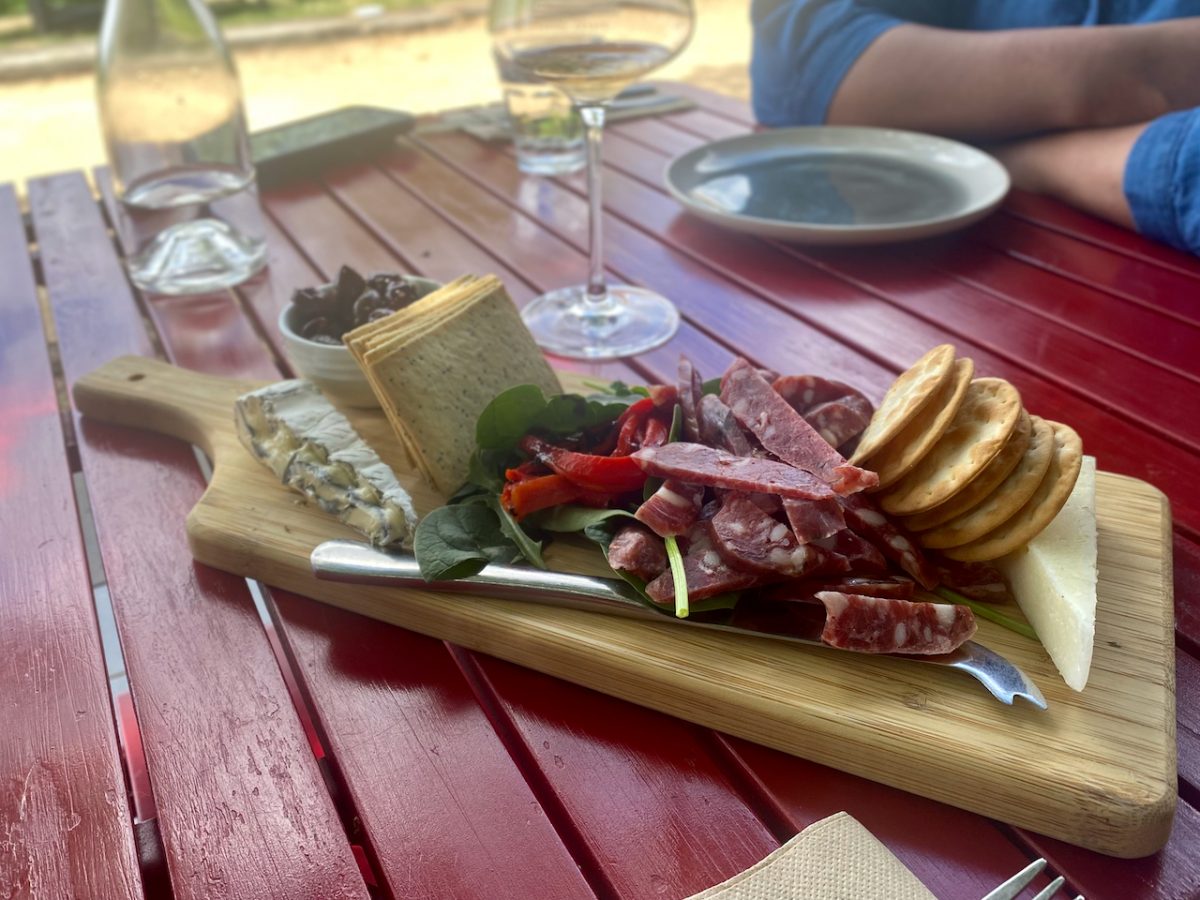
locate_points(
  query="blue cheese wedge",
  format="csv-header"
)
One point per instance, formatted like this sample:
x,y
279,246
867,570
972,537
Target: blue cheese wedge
x,y
1054,580
311,447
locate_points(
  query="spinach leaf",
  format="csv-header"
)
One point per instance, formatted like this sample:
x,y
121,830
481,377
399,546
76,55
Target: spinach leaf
x,y
526,546
569,518
457,541
522,409
712,386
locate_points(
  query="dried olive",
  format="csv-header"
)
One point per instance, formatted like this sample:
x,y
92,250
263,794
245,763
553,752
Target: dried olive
x,y
316,326
368,302
401,293
379,313
330,339
380,282
349,285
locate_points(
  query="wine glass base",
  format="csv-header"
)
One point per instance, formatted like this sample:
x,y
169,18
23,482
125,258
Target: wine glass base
x,y
632,320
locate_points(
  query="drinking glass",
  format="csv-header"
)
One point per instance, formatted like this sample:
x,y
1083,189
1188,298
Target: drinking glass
x,y
592,50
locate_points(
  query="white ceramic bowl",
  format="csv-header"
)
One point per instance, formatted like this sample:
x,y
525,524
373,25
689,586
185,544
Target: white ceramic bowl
x,y
332,368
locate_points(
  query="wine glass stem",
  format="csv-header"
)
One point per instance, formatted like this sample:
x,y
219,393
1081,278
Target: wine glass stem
x,y
597,290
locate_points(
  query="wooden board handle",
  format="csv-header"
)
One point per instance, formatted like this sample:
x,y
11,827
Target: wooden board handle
x,y
155,395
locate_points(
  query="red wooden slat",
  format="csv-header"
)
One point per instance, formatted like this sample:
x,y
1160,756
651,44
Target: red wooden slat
x,y
444,811
1187,707
1049,214
1158,338
955,853
242,807
729,107
68,826
1146,284
708,125
656,811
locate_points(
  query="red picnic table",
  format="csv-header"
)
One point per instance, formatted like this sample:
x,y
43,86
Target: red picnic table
x,y
211,739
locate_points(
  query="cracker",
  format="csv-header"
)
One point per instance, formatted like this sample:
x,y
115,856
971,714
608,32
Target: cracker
x,y
1005,501
1039,511
436,373
905,450
982,484
980,428
905,398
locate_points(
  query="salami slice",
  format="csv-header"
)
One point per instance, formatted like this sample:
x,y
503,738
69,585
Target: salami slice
x,y
803,392
749,539
783,431
837,421
813,520
881,625
691,389
977,580
706,572
698,464
860,555
718,427
637,551
672,509
897,546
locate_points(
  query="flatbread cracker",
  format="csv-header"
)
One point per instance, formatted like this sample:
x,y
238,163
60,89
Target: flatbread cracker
x,y
906,449
1005,501
435,369
981,427
905,398
982,484
1040,509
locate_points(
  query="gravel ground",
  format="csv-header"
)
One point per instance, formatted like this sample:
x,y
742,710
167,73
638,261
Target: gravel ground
x,y
52,122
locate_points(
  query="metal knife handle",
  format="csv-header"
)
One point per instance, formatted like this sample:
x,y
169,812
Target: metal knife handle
x,y
358,563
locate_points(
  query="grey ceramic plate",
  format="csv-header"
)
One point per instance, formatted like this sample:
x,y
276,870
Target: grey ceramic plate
x,y
838,185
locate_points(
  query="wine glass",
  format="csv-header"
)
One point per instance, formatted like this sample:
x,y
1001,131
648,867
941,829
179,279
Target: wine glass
x,y
592,50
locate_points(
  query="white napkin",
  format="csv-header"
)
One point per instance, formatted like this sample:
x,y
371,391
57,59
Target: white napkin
x,y
833,859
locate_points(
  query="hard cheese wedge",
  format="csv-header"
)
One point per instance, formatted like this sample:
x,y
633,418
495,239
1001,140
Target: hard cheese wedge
x,y
1054,579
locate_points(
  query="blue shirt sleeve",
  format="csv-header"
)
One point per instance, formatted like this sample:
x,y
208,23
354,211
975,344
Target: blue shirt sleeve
x,y
1162,180
802,51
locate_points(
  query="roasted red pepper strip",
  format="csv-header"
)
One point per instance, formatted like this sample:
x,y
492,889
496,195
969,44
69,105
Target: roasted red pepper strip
x,y
610,474
629,423
524,497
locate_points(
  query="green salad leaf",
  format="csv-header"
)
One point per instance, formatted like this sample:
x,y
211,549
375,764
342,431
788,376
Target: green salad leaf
x,y
457,541
522,409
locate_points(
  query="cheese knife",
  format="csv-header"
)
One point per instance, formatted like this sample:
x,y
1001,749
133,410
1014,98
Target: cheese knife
x,y
358,563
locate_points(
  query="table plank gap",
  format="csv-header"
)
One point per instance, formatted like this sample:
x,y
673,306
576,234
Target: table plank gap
x,y
69,828
262,819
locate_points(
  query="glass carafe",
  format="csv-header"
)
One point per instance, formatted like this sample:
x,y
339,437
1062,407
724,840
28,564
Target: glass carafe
x,y
171,111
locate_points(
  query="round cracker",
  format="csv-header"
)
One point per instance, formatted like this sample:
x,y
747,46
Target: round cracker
x,y
979,431
898,456
982,484
1005,501
905,398
1040,509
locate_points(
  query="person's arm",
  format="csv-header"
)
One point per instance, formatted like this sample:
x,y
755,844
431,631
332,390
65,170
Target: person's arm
x,y
1002,84
1083,168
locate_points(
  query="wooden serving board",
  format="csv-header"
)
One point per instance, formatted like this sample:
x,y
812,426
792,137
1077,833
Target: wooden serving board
x,y
1097,769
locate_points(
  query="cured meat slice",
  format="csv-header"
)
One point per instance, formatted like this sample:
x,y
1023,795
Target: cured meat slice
x,y
859,554
706,572
813,520
837,421
749,539
698,464
890,586
691,389
718,427
637,551
977,580
803,392
672,509
881,625
783,431
897,546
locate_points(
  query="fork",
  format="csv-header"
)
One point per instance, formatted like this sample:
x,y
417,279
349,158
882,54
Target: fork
x,y
1016,884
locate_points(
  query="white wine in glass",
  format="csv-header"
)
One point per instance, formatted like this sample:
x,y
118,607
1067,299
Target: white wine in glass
x,y
592,50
